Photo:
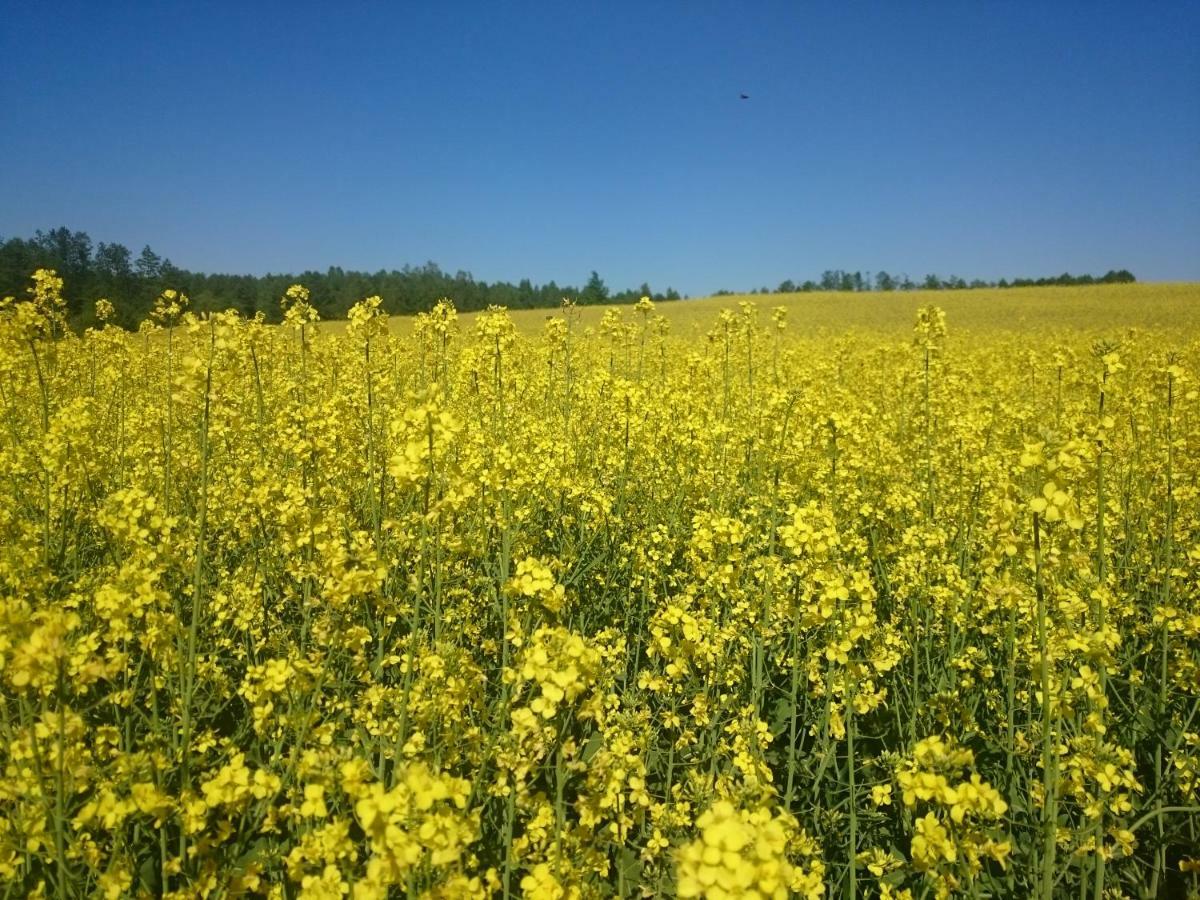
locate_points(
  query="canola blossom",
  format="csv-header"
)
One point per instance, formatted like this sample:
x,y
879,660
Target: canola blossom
x,y
448,609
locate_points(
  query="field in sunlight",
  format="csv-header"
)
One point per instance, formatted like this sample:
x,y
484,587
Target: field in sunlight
x,y
1076,308
886,595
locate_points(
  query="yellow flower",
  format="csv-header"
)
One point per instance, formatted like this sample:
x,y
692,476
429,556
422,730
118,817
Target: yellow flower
x,y
541,884
741,853
931,845
314,802
881,795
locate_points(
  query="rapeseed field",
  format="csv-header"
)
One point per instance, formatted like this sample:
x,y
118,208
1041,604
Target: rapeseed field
x,y
885,596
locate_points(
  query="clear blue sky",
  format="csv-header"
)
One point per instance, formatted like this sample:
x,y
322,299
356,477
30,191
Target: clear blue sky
x,y
547,140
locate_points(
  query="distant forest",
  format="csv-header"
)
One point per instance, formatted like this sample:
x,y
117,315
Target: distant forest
x,y
840,280
91,271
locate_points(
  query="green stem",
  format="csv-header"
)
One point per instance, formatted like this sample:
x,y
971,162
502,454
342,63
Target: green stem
x,y
1049,751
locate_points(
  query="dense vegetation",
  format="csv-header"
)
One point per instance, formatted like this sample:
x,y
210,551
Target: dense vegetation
x,y
91,271
602,611
841,280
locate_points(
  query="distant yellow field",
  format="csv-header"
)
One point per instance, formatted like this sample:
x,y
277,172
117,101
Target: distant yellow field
x,y
1160,306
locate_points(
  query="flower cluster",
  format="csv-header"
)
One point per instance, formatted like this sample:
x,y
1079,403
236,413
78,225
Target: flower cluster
x,y
744,853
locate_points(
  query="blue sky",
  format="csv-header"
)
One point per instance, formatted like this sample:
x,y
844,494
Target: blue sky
x,y
546,140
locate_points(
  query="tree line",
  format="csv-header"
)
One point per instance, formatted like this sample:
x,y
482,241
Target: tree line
x,y
91,271
841,280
